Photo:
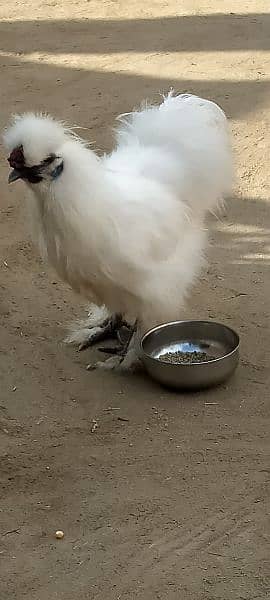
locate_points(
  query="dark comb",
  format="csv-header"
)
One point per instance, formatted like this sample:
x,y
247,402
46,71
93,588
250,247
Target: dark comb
x,y
16,159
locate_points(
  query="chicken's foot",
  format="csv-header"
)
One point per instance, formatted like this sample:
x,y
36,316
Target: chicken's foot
x,y
108,330
125,357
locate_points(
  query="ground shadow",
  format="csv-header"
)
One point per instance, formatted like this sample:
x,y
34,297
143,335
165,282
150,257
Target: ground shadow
x,y
192,33
119,91
115,92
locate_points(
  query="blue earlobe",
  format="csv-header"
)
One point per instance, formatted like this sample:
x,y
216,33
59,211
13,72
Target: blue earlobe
x,y
57,171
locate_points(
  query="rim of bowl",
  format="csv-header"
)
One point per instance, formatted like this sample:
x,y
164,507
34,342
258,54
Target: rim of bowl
x,y
205,362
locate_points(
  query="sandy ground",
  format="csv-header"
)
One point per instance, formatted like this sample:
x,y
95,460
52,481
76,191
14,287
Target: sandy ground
x,y
173,501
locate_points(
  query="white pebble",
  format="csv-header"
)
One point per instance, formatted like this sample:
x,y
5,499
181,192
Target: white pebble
x,y
59,535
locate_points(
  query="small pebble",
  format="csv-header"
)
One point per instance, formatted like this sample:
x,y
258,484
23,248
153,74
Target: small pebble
x,y
59,535
176,358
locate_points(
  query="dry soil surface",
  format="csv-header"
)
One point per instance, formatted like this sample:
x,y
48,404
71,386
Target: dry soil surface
x,y
160,495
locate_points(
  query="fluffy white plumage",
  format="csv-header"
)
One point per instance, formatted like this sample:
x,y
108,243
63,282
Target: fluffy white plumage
x,y
127,230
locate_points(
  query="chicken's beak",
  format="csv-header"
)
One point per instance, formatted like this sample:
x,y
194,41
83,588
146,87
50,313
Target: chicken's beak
x,y
14,175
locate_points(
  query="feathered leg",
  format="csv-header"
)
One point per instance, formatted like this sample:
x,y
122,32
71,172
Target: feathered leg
x,y
99,326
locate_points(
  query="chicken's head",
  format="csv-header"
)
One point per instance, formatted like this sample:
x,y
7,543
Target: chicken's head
x,y
34,142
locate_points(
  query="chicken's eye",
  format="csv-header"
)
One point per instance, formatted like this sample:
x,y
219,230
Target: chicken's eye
x,y
49,159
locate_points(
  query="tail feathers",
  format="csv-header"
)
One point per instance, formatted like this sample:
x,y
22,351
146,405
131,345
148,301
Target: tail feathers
x,y
195,133
175,120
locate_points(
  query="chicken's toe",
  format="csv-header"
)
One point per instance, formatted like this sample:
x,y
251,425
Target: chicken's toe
x,y
107,365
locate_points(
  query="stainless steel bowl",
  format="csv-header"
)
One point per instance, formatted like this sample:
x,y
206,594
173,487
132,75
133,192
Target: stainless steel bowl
x,y
188,336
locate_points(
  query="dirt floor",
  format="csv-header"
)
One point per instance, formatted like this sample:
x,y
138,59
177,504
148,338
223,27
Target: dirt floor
x,y
160,495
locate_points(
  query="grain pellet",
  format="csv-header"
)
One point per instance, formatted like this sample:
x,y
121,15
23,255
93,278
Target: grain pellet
x,y
177,358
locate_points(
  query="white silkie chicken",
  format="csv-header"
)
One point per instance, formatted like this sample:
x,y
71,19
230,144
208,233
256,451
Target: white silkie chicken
x,y
126,230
